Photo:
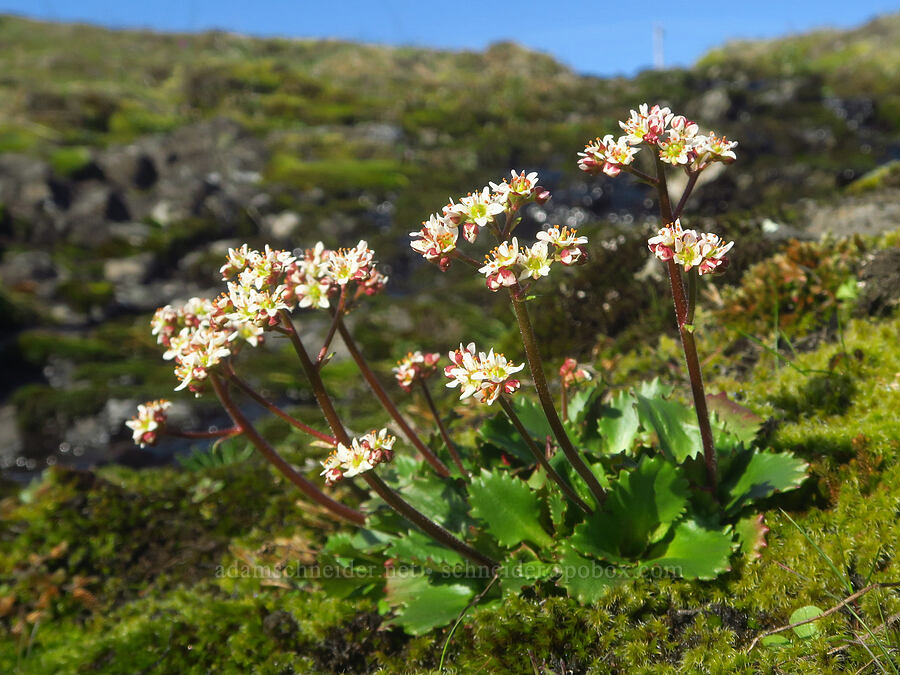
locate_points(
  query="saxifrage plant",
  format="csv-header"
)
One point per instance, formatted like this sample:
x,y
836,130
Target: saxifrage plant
x,y
630,483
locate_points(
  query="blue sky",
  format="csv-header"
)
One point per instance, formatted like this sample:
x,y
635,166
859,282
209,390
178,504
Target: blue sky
x,y
595,37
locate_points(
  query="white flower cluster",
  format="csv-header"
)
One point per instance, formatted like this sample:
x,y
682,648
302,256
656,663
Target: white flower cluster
x,y
508,264
438,235
363,454
676,139
484,376
199,335
149,422
262,282
415,367
704,251
254,284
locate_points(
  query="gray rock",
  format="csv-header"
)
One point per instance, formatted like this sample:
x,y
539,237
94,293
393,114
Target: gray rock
x,y
135,269
147,297
879,283
117,411
383,134
713,105
864,214
58,372
25,266
135,234
11,441
281,226
87,433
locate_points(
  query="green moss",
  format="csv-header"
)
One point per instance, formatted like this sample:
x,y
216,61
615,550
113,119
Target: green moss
x,y
17,139
69,161
37,346
85,295
133,119
338,175
887,175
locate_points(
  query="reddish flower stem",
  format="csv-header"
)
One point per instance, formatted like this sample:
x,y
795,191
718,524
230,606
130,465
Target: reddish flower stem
x,y
338,313
424,523
540,457
683,315
640,175
459,255
315,379
384,491
386,401
535,365
275,410
692,181
267,451
451,447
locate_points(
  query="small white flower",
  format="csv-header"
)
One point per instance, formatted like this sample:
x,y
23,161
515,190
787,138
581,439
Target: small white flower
x,y
536,261
148,422
478,208
436,238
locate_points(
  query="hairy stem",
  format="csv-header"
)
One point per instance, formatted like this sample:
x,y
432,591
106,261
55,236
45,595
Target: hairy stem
x,y
536,367
379,486
451,446
386,401
468,260
315,380
275,410
692,181
338,313
267,451
692,295
684,315
540,457
424,523
640,175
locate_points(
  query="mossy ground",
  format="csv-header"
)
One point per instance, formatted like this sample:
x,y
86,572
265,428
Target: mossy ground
x,y
126,571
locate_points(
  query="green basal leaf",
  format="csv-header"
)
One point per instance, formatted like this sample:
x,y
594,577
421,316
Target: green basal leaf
x,y
440,500
510,509
557,505
807,630
675,425
422,602
502,433
417,547
586,580
523,568
655,389
370,541
346,577
754,475
581,402
752,532
740,422
640,508
564,468
694,552
619,423
340,544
